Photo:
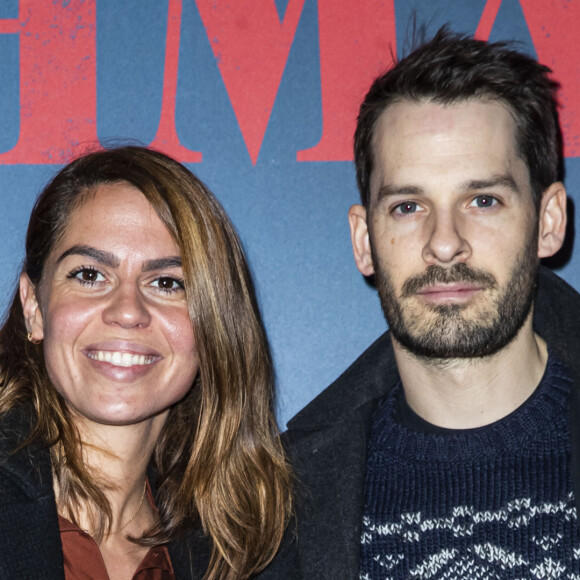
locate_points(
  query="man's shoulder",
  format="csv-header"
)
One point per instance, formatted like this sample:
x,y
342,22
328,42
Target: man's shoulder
x,y
368,378
557,315
326,443
554,288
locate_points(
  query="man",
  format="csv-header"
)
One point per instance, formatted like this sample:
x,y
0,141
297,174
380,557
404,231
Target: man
x,y
450,448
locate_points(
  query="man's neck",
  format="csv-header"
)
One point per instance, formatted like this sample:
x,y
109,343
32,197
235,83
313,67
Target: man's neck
x,y
469,393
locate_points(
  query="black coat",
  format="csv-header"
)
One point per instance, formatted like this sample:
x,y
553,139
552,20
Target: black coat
x,y
327,442
30,547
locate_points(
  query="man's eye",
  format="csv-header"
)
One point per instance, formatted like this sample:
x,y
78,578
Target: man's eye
x,y
484,201
406,207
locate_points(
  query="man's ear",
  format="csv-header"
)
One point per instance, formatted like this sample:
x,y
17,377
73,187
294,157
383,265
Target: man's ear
x,y
359,236
553,219
32,314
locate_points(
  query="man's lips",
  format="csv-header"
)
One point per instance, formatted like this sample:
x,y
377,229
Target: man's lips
x,y
454,292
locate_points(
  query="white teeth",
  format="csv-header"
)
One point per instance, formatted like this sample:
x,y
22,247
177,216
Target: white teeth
x,y
120,359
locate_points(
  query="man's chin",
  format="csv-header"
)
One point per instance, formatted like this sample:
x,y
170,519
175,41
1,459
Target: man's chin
x,y
455,334
446,349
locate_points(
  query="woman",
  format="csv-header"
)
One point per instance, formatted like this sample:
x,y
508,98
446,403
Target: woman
x,y
132,358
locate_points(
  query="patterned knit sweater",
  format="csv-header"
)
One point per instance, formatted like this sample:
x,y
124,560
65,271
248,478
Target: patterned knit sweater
x,y
491,502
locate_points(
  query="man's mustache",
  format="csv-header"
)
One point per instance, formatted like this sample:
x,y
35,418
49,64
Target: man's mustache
x,y
439,275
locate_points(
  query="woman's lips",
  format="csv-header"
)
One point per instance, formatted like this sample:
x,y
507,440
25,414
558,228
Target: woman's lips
x,y
122,355
120,358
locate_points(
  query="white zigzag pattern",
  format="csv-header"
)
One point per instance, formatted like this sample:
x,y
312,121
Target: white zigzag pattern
x,y
517,513
480,561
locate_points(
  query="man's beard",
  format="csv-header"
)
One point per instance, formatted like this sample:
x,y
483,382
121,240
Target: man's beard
x,y
442,331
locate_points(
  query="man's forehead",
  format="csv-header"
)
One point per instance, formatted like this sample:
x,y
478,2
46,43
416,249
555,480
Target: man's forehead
x,y
472,124
413,138
425,116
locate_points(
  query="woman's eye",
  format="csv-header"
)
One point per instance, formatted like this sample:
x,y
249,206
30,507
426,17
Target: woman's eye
x,y
484,201
407,207
168,284
87,276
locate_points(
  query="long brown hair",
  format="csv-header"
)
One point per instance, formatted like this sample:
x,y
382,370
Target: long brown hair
x,y
219,459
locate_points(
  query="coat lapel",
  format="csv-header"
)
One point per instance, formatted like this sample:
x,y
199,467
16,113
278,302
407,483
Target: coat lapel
x,y
332,494
557,321
29,529
328,444
190,554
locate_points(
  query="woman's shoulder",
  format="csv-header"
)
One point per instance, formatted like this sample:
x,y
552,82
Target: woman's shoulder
x,y
15,426
25,469
28,518
191,553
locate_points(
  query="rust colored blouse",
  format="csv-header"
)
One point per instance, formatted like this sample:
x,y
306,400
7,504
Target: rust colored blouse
x,y
83,559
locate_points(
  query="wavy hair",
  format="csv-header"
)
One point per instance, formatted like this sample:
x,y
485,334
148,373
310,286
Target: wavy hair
x,y
219,461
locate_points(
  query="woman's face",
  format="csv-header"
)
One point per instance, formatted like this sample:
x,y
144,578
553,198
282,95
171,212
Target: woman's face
x,y
111,310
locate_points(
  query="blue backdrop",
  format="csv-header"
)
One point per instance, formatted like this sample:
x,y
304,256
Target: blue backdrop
x,y
291,215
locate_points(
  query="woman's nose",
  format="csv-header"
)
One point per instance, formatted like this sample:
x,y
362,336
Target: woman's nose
x,y
127,307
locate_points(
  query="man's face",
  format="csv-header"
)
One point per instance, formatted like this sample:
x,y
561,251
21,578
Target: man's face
x,y
452,227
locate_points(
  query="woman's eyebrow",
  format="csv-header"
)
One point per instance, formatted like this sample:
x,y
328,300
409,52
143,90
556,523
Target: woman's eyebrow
x,y
106,258
162,263
110,260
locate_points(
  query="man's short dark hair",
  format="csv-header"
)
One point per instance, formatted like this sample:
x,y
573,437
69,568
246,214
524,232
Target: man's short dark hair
x,y
452,68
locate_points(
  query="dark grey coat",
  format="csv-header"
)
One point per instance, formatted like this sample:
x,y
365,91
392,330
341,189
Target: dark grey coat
x,y
327,442
30,547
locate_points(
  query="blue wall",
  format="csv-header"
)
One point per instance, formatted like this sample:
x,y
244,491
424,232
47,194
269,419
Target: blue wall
x,y
319,312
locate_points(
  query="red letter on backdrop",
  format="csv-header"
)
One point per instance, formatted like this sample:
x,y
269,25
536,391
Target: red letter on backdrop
x,y
58,93
166,139
487,19
553,25
251,47
357,43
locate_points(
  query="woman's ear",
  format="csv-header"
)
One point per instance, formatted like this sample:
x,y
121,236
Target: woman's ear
x,y
359,236
553,219
31,310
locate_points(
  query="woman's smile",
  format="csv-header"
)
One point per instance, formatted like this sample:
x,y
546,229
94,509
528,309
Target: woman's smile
x,y
120,359
112,310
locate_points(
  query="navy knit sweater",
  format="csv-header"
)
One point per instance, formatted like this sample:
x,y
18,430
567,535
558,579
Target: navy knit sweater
x,y
491,502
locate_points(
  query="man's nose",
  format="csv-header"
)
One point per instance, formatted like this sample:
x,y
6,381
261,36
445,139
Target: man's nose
x,y
446,243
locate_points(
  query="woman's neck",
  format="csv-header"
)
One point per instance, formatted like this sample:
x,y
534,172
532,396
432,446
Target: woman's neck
x,y
117,458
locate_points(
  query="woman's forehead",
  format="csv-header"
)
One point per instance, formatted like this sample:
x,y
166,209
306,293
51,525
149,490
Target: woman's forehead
x,y
118,217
